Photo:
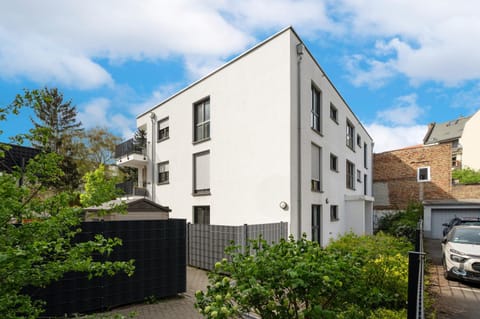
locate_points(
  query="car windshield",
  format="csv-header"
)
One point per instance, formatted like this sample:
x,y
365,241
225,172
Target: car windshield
x,y
466,236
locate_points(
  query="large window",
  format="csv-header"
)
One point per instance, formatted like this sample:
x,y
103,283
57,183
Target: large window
x,y
201,125
201,173
316,109
163,172
316,223
365,155
333,113
201,215
350,135
350,175
423,174
316,182
163,130
333,162
334,213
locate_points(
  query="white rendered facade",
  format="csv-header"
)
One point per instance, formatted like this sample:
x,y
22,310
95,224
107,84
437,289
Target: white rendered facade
x,y
469,142
257,146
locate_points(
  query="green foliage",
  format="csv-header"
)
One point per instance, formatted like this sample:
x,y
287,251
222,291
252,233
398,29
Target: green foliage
x,y
353,278
98,188
466,176
403,223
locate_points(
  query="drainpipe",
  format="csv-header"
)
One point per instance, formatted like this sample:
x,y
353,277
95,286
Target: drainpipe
x,y
153,117
300,49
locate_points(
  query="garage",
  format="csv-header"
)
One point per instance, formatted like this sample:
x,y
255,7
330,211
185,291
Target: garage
x,y
437,213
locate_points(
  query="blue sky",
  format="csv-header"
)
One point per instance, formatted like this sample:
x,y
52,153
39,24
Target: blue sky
x,y
399,64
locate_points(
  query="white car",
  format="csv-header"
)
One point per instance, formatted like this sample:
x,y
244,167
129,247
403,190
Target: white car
x,y
461,253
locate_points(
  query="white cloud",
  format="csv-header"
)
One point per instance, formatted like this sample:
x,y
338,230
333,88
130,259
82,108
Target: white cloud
x,y
404,112
377,73
94,113
428,41
389,138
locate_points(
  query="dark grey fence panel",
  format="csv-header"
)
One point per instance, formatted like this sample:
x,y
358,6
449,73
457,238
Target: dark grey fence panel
x,y
207,243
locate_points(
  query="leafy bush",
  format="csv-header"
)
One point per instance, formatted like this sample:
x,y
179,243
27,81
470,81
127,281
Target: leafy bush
x,y
466,176
403,223
352,278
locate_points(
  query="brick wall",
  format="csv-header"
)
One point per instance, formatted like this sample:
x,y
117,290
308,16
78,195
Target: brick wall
x,y
398,169
466,191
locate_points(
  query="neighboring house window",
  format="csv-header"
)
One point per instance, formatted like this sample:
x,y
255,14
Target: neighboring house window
x,y
333,113
350,175
163,130
201,215
316,109
163,173
350,135
201,173
359,176
201,125
364,184
333,162
316,223
359,140
316,169
423,174
365,155
334,213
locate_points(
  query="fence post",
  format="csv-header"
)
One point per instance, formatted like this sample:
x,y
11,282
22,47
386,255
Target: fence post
x,y
188,243
245,237
413,263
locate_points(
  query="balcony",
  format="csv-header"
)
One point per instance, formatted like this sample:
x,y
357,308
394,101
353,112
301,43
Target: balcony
x,y
129,188
129,154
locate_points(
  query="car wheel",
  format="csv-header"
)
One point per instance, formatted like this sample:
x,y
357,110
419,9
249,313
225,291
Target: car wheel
x,y
446,273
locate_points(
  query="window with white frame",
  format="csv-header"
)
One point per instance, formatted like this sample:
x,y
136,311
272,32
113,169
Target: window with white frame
x,y
333,113
423,174
163,173
316,223
163,130
334,213
315,120
350,135
201,215
201,120
350,175
201,173
316,181
333,162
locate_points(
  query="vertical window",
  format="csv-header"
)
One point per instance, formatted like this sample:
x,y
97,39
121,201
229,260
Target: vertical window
x,y
350,175
163,172
163,130
316,109
359,176
423,174
333,113
316,223
350,135
201,125
359,140
334,213
364,184
333,162
201,173
365,155
316,182
201,215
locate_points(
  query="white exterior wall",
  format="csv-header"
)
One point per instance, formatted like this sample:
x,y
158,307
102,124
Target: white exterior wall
x,y
254,145
469,142
249,146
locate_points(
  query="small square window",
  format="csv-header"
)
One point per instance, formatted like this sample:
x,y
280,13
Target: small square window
x,y
333,162
163,129
201,215
423,174
163,173
334,213
333,113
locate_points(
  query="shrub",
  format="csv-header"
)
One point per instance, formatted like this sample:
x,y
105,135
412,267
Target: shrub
x,y
466,176
403,223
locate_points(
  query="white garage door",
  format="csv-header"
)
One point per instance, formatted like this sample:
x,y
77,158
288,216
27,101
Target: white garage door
x,y
440,216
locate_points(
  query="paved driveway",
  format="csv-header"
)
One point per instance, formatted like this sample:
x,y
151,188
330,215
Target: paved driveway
x,y
454,299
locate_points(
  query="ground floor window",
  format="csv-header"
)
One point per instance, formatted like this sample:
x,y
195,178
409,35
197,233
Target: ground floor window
x,y
201,215
316,223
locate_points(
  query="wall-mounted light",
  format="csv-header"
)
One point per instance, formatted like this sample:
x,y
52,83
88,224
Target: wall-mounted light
x,y
283,205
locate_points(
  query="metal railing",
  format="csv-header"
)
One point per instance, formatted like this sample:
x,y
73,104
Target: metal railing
x,y
127,148
131,188
416,277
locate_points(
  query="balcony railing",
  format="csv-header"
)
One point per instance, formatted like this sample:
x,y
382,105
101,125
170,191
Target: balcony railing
x,y
127,148
129,188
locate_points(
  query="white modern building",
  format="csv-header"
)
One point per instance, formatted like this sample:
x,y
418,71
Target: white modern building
x,y
264,138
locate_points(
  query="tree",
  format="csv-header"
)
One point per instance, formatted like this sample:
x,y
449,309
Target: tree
x,y
467,176
37,231
98,188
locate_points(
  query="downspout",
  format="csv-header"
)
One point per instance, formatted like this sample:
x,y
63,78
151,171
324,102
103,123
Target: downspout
x,y
153,117
300,48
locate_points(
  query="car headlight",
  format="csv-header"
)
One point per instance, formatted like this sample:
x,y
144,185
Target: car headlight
x,y
456,256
